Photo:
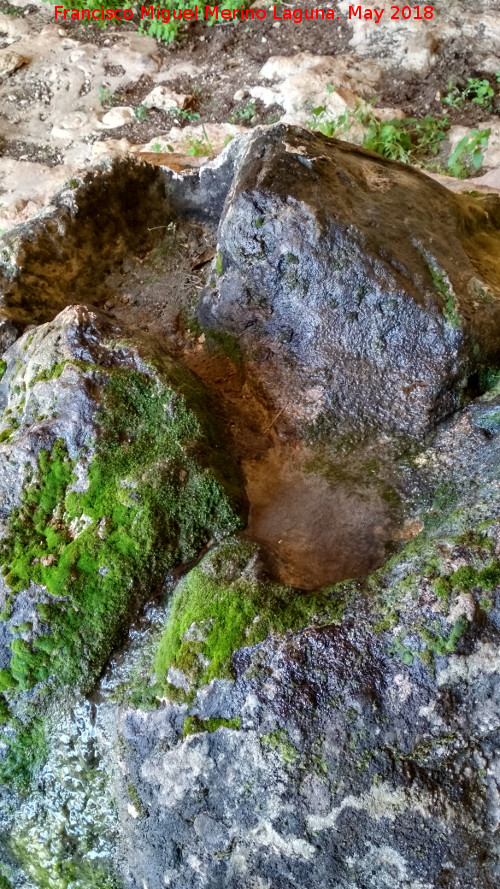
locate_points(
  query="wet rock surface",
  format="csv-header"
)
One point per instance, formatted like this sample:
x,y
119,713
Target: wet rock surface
x,y
251,728
366,754
360,294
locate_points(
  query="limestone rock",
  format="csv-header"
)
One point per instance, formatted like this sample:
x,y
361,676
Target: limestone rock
x,y
118,117
10,61
491,154
299,84
359,744
164,99
351,305
8,335
60,380
60,244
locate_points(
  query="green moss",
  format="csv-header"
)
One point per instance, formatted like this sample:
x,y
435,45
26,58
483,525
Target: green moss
x,y
194,327
489,381
68,872
403,652
54,372
445,497
226,343
26,752
193,725
218,263
5,883
442,588
386,623
465,578
3,367
443,286
231,611
134,798
485,603
278,740
152,505
259,222
5,714
440,644
489,576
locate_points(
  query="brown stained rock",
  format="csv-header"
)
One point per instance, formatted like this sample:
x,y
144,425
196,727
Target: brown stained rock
x,y
10,61
361,293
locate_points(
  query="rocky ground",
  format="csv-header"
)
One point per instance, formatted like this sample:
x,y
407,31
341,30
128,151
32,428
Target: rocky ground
x,y
73,93
249,451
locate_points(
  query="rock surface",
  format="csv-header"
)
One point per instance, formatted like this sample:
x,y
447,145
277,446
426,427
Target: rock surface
x,y
249,733
361,754
59,80
360,293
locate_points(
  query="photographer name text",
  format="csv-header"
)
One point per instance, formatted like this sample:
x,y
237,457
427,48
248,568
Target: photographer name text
x,y
216,13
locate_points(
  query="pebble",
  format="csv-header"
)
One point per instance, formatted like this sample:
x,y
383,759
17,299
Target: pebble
x,y
118,117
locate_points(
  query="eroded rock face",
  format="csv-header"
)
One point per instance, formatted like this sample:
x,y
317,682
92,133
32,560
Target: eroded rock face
x,y
108,481
59,257
253,734
88,488
366,753
361,295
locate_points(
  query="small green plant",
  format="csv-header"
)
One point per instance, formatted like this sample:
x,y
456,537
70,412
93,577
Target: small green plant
x,y
3,367
244,114
104,95
184,115
142,113
198,147
478,91
408,140
467,156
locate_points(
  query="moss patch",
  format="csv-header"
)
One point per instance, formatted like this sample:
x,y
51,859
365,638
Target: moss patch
x,y
77,874
3,367
151,504
26,752
226,344
193,725
278,740
135,799
442,285
217,610
397,591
